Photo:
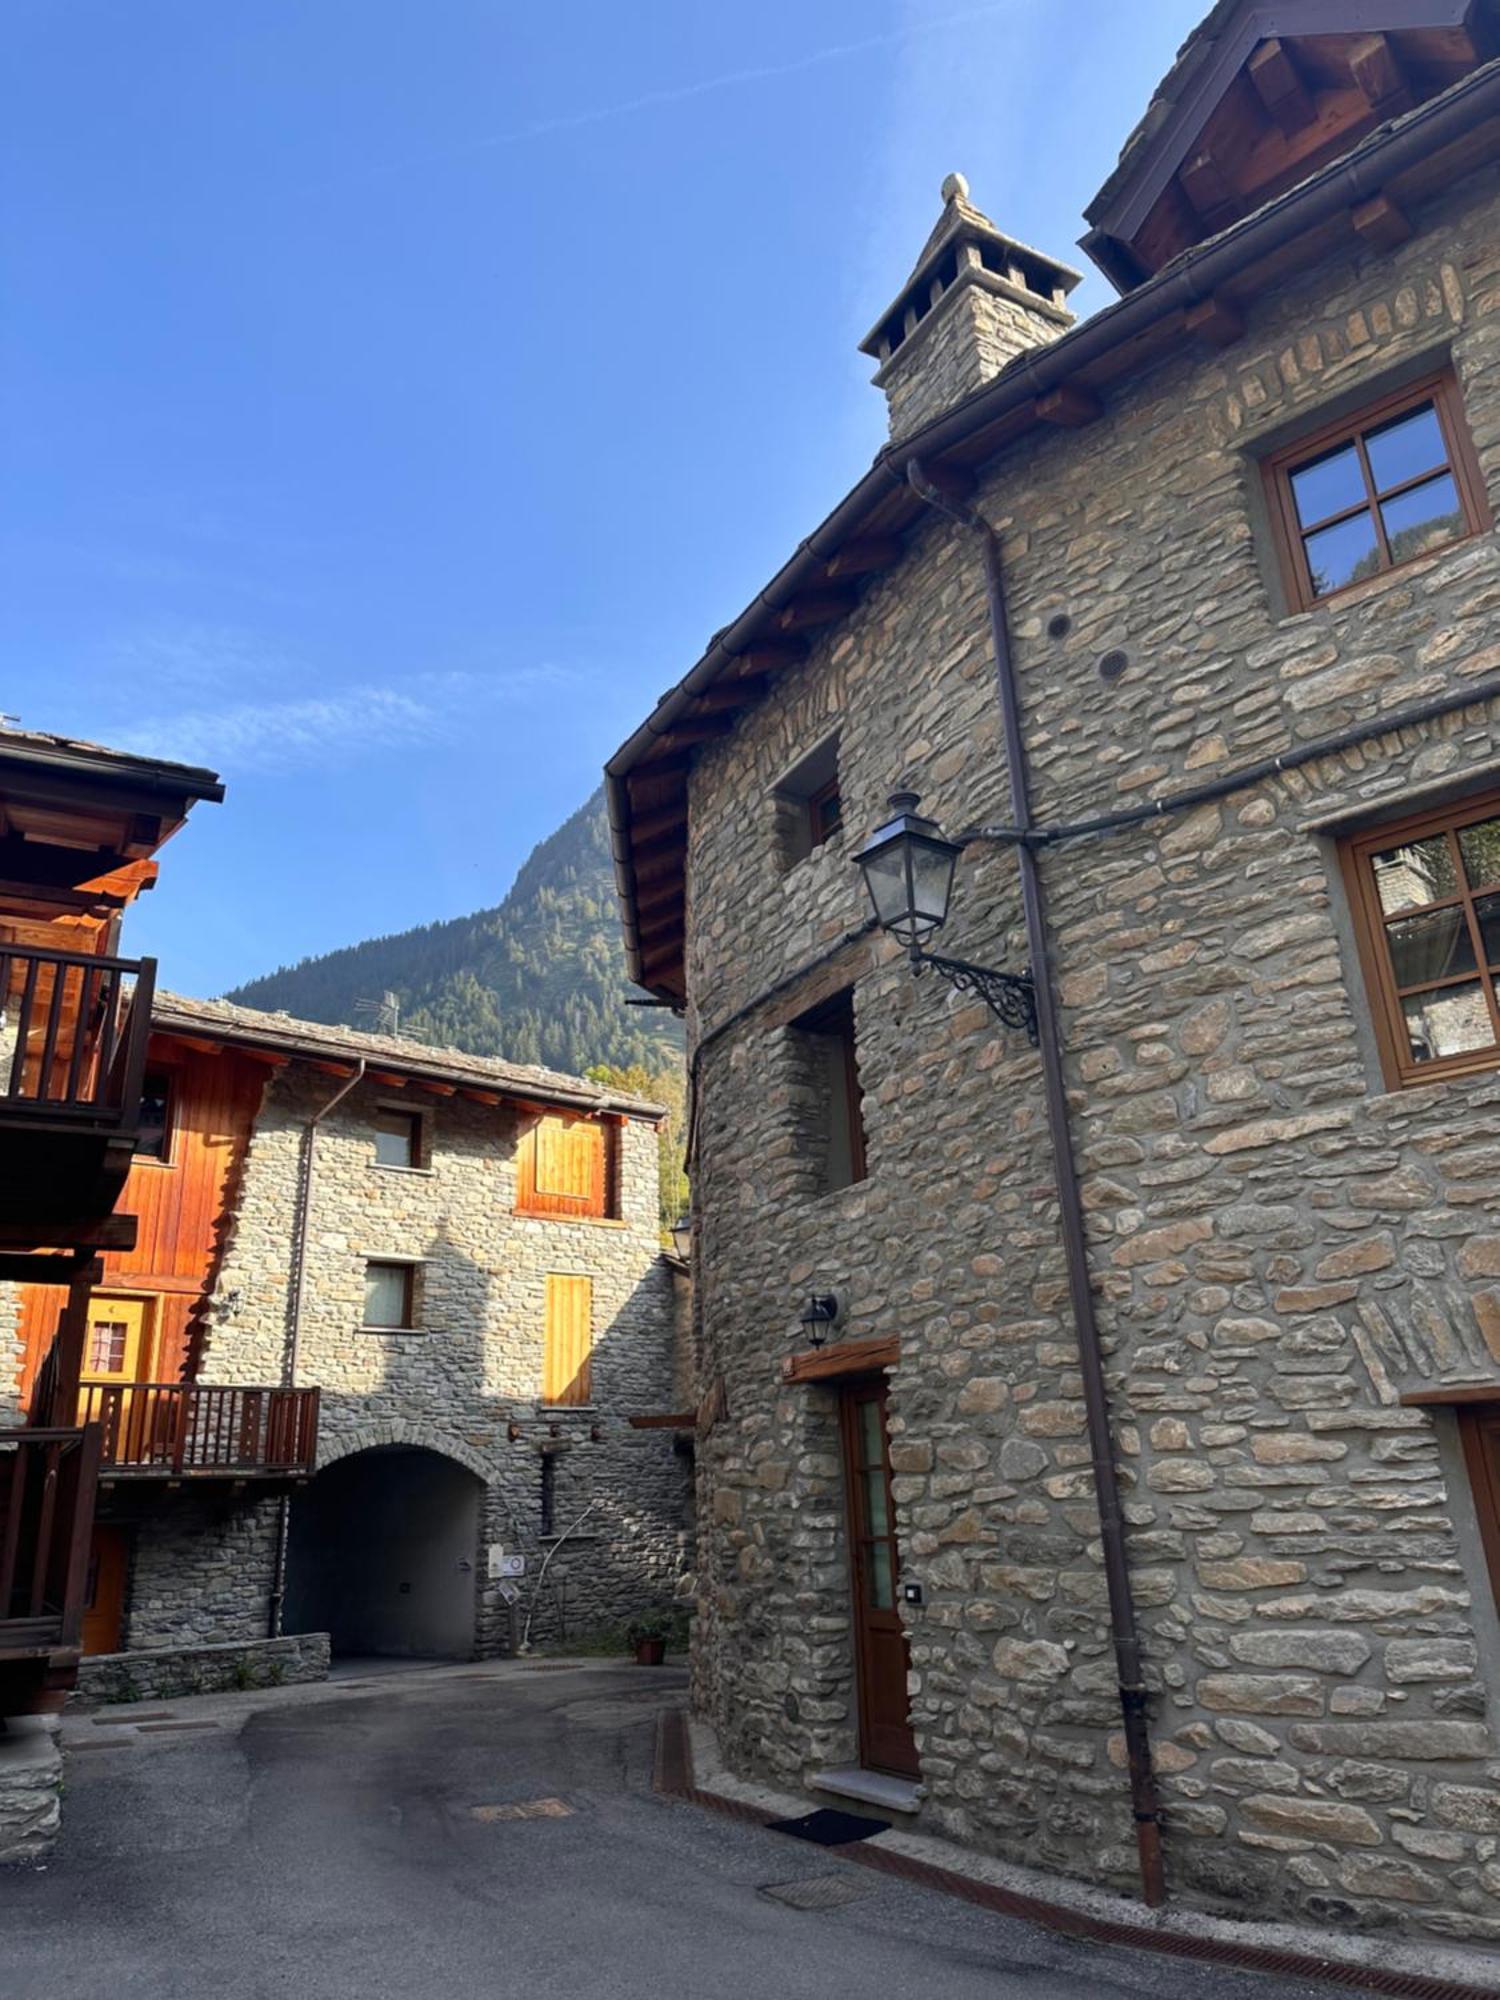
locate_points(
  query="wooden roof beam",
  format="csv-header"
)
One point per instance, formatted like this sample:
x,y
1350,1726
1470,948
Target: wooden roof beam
x,y
1381,222
1376,70
864,556
805,614
387,1079
732,694
770,656
331,1068
1217,321
1278,84
1208,188
665,843
92,1232
491,1099
435,1089
651,826
1069,405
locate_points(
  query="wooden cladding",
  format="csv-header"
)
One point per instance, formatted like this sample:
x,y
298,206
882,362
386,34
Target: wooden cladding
x,y
567,1339
567,1166
1425,893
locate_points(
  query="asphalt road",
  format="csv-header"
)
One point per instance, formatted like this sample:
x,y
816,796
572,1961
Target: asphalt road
x,y
325,1843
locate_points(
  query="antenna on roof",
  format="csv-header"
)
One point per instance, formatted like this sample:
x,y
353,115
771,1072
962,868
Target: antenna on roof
x,y
383,1015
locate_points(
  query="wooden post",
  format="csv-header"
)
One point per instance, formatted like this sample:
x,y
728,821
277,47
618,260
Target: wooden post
x,y
72,1332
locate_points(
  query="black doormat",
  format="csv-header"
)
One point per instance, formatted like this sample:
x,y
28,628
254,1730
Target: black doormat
x,y
829,1828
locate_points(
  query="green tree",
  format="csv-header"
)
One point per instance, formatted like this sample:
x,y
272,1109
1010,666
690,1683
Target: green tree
x,y
666,1084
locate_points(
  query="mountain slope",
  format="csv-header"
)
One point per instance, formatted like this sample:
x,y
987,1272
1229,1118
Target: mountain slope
x,y
541,978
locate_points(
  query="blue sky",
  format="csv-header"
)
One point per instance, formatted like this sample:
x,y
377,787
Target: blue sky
x,y
395,397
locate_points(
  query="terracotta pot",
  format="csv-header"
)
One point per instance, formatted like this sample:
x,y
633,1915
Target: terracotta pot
x,y
650,1652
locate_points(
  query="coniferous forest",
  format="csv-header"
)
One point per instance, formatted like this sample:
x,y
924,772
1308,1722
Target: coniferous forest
x,y
538,979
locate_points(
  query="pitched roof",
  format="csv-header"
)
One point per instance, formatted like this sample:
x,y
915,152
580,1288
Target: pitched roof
x,y
251,1027
97,760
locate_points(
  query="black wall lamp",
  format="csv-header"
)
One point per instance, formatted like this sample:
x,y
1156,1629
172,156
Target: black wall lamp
x,y
820,1312
908,870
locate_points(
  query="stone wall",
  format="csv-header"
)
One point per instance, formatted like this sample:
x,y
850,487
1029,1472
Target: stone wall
x,y
468,1383
1280,1246
200,1566
189,1670
31,1781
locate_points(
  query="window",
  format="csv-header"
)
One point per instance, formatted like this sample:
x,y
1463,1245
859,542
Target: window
x,y
833,1129
809,806
390,1296
1368,494
549,1493
154,1138
567,1338
567,1166
1426,898
398,1138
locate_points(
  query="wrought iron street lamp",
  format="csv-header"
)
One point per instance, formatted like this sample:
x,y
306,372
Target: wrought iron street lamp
x,y
908,870
819,1313
682,1237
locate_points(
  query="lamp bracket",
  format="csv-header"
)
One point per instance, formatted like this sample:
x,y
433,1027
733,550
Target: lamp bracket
x,y
1010,996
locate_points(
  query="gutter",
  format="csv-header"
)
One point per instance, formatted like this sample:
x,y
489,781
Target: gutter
x,y
294,1325
1195,277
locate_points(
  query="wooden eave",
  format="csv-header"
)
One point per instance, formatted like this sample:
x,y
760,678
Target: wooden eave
x,y
646,781
1266,93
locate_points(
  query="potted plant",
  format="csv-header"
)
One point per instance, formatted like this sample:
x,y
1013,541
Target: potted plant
x,y
648,1634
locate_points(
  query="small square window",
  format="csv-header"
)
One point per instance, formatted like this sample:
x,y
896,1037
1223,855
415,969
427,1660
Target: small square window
x,y
1374,491
832,1120
809,804
1425,893
390,1292
398,1138
154,1131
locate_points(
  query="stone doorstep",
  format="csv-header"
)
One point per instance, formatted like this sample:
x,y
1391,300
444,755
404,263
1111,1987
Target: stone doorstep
x,y
871,1788
1474,1968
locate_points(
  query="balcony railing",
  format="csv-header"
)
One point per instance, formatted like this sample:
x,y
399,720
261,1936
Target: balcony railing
x,y
47,1485
73,1032
182,1429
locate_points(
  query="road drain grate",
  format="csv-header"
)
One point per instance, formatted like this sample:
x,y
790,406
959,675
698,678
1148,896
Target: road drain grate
x,y
816,1892
532,1809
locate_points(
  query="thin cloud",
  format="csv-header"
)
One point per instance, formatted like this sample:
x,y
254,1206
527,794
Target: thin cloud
x,y
337,728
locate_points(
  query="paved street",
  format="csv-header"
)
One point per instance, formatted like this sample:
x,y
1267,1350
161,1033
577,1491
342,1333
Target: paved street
x,y
325,1842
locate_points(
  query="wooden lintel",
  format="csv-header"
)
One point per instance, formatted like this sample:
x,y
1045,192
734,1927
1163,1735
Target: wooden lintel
x,y
1381,222
1216,320
1377,72
847,1357
1448,1394
823,607
387,1079
92,1232
1279,86
863,555
1069,405
678,1420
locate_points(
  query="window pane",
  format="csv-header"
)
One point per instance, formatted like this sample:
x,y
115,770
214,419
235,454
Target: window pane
x,y
1328,485
1487,909
882,1583
1411,444
386,1288
1481,852
1345,554
869,1434
396,1138
1407,877
879,1522
107,1343
156,1097
1425,518
1434,945
1449,1022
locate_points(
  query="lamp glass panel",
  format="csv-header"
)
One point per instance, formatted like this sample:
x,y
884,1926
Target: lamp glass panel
x,y
932,882
886,879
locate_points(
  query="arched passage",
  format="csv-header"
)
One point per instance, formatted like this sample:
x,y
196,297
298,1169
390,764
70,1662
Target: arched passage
x,y
382,1554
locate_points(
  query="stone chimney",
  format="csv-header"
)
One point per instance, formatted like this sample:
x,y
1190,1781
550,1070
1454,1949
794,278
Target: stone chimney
x,y
975,301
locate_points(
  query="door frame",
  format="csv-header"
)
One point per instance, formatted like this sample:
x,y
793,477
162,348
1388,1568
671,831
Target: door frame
x,y
855,1391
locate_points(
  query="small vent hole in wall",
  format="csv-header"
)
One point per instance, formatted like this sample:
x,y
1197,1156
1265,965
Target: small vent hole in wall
x,y
1059,625
1113,664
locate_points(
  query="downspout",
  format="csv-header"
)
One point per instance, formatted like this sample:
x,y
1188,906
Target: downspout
x,y
294,1325
1124,1627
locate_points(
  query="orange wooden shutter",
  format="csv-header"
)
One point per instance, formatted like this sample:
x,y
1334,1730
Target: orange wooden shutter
x,y
567,1164
568,1339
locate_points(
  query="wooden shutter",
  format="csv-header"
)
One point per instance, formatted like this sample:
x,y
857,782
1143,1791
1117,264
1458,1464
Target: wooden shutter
x,y
567,1339
564,1167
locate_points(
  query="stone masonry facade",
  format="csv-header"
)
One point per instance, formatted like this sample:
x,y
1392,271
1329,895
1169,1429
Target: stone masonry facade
x,y
467,1384
1281,1246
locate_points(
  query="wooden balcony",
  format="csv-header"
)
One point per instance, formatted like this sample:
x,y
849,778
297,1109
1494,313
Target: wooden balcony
x,y
202,1430
47,1485
73,1034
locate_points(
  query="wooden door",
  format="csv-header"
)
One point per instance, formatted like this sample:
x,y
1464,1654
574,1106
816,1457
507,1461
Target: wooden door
x,y
116,1354
885,1739
104,1592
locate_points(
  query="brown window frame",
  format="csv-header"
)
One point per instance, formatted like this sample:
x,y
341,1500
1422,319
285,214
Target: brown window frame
x,y
409,1268
1357,853
822,823
1442,391
418,1123
1479,1431
166,1157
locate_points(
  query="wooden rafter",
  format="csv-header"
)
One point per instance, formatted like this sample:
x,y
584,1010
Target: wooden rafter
x,y
1278,84
823,607
1070,406
1381,222
865,555
1376,69
1216,320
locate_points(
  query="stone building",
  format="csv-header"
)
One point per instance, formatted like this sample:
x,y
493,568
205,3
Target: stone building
x,y
1227,1245
377,1347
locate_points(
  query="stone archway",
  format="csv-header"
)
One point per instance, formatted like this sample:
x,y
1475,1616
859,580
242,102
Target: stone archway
x,y
383,1550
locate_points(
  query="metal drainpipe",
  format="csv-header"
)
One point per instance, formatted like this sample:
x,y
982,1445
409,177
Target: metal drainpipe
x,y
294,1326
1125,1630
